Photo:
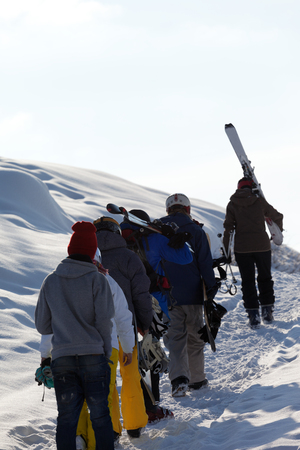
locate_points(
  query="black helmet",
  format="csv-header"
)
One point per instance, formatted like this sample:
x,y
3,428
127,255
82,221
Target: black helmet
x,y
140,214
107,223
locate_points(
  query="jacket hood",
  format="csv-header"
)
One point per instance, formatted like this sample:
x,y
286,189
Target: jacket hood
x,y
243,197
70,268
108,240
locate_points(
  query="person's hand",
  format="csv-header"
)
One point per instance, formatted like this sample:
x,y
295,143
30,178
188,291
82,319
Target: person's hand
x,y
127,359
179,239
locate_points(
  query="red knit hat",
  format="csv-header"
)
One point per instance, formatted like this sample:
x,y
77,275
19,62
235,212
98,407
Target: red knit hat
x,y
245,183
83,240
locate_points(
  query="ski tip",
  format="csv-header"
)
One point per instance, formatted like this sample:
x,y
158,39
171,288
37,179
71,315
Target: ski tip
x,y
113,209
110,207
229,125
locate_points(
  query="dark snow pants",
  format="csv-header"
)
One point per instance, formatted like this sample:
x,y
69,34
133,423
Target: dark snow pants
x,y
247,263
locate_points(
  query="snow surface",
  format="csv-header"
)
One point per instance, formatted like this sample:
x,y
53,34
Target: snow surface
x,y
253,398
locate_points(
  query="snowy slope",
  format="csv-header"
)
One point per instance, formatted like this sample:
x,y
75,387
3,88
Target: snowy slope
x,y
252,401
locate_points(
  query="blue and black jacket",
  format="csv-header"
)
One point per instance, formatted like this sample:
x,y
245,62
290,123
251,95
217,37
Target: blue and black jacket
x,y
157,253
187,281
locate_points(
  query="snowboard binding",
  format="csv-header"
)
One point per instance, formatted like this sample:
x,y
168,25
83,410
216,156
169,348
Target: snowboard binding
x,y
151,355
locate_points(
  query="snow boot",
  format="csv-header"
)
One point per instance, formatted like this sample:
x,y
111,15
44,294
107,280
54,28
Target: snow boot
x,y
198,385
254,318
116,437
179,386
157,413
134,433
267,313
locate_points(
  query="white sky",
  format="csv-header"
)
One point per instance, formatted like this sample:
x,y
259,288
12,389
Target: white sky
x,y
142,90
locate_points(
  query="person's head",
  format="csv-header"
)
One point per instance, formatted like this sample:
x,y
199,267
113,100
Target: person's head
x,y
127,226
140,214
83,240
178,203
108,224
245,183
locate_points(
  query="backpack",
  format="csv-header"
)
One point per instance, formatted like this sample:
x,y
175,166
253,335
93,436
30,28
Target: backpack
x,y
134,242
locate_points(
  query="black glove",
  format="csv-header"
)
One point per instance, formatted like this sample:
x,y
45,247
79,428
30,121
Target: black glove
x,y
211,292
179,239
215,312
43,374
167,230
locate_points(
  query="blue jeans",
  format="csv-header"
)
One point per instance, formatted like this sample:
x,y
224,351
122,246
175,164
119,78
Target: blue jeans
x,y
77,378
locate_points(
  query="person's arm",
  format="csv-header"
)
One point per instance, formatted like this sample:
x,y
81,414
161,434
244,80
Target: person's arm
x,y
42,313
205,261
46,346
229,226
123,318
104,311
179,255
276,216
141,298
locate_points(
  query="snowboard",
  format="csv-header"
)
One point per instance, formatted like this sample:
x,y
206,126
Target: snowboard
x,y
208,330
234,139
144,373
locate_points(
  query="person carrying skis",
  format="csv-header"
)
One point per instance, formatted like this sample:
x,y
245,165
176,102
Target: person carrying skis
x,y
154,249
128,271
186,349
75,304
245,215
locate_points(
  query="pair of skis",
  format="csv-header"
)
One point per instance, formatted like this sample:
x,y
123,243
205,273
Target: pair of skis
x,y
248,171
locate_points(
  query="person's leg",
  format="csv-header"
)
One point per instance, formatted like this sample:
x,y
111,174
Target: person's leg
x,y
83,428
95,374
69,396
246,264
113,397
195,346
132,399
155,391
264,278
176,343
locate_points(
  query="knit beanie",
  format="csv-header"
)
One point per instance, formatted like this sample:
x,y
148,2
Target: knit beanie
x,y
245,183
83,240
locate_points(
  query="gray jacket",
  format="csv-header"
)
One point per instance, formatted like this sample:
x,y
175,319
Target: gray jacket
x,y
76,305
128,271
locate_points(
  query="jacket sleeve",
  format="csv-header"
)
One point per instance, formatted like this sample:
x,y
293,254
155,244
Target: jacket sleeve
x,y
43,313
229,226
104,311
46,345
123,318
179,256
276,216
204,259
141,297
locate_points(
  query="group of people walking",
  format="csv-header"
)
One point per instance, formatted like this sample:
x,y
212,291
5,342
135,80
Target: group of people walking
x,y
93,305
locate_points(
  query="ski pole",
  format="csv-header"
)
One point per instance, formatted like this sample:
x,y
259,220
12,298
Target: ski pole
x,y
232,289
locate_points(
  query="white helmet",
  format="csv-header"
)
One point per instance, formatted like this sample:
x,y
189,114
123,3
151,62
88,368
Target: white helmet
x,y
180,200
